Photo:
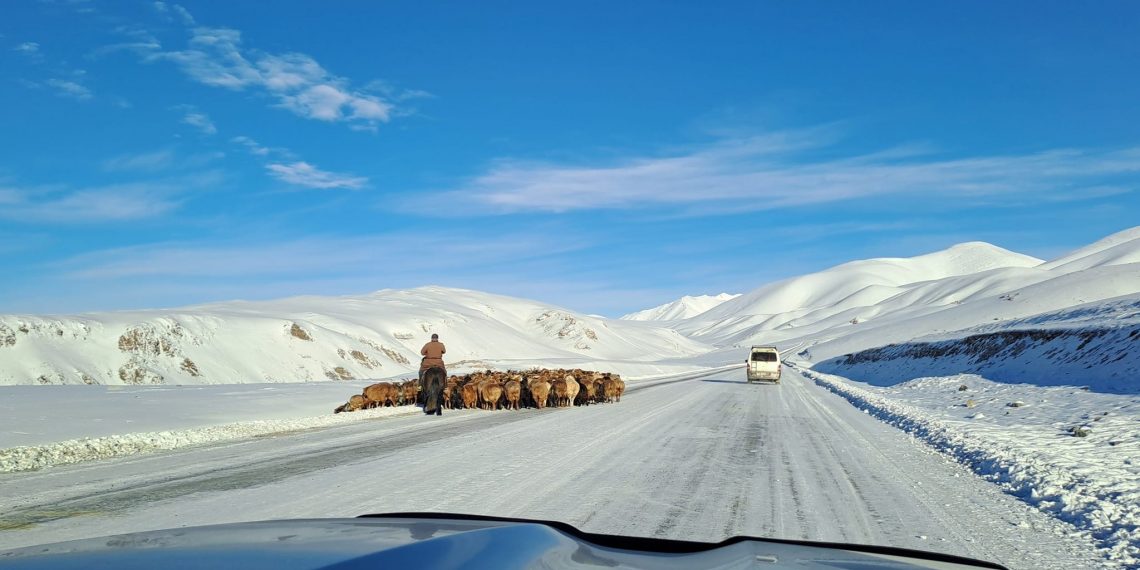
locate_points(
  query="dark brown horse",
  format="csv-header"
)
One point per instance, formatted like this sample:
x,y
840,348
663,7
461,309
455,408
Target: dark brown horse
x,y
431,384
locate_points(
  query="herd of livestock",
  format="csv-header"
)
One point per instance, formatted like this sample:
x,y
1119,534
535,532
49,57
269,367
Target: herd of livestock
x,y
491,390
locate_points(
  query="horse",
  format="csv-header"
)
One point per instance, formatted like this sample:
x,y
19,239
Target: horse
x,y
431,383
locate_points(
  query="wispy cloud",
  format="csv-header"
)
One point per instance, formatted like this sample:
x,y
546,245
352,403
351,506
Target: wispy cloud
x,y
116,203
297,82
770,171
200,121
174,11
61,87
28,48
102,204
305,174
361,254
68,88
251,145
156,160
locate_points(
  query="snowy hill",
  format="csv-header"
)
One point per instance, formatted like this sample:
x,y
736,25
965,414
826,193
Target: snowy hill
x,y
683,308
865,304
837,295
317,338
952,297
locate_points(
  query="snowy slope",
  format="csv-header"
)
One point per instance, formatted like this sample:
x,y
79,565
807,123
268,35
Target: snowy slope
x,y
683,308
315,338
868,304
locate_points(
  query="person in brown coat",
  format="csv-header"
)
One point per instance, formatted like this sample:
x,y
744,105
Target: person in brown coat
x,y
433,355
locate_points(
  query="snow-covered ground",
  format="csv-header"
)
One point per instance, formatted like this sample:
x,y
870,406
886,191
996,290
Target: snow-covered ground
x,y
699,459
1072,453
87,423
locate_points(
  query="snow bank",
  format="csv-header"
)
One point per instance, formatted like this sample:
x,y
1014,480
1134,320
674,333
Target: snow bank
x,y
1104,359
87,449
1024,438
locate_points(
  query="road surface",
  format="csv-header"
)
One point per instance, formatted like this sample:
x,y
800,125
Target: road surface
x,y
700,459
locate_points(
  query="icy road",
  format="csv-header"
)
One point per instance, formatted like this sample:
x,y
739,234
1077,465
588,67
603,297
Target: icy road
x,y
699,459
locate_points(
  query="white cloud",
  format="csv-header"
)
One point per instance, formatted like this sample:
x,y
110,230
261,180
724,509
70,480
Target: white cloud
x,y
116,203
67,88
769,172
251,145
305,174
319,255
157,160
28,48
200,121
216,57
183,14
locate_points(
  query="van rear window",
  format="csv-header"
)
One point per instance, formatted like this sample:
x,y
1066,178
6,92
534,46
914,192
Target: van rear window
x,y
763,356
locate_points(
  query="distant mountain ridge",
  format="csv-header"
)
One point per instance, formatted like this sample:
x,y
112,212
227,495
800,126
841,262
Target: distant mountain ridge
x,y
683,308
316,338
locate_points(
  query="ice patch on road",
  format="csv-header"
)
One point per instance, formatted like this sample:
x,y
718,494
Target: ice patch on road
x,y
27,458
1091,482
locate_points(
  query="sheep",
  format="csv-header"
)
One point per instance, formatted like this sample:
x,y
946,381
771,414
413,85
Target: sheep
x,y
410,390
469,392
512,391
540,391
487,389
572,389
381,394
356,402
490,392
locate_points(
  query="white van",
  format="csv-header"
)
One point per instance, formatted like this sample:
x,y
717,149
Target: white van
x,y
763,364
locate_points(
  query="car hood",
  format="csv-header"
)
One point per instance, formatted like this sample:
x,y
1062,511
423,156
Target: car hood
x,y
431,540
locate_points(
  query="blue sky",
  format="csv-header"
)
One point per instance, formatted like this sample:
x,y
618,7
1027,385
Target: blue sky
x,y
605,156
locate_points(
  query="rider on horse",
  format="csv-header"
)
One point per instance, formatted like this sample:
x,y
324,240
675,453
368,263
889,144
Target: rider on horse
x,y
433,358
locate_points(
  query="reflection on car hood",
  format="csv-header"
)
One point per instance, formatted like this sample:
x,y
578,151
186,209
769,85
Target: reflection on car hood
x,y
432,540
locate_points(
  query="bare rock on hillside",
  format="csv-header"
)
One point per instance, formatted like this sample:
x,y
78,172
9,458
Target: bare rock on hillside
x,y
297,332
147,340
190,368
339,373
134,372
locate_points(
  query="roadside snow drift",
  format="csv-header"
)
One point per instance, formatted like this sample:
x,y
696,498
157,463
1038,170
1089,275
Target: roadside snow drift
x,y
1071,453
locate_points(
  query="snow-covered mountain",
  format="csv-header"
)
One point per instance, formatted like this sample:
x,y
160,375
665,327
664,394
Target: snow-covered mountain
x,y
970,308
317,338
683,308
967,290
871,303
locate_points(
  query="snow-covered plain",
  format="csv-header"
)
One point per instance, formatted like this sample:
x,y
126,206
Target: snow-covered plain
x,y
700,459
896,337
117,421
